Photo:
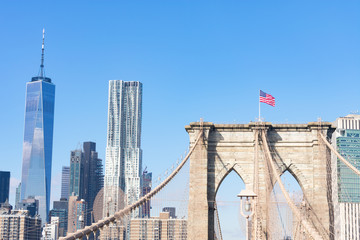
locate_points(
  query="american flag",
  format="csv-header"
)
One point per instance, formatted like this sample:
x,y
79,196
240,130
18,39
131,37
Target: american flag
x,y
267,98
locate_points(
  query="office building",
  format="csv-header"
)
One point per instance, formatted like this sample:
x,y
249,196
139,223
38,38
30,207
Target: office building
x,y
146,188
346,184
6,207
76,214
31,205
60,210
18,225
86,175
123,163
348,145
62,214
93,177
72,213
76,172
50,230
61,204
113,232
65,182
80,214
18,196
4,186
38,140
171,211
156,228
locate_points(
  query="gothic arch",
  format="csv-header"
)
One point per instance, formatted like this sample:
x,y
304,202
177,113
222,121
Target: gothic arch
x,y
232,147
223,174
297,174
299,177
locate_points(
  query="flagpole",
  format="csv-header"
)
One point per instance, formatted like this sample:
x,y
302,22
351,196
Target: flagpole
x,y
259,107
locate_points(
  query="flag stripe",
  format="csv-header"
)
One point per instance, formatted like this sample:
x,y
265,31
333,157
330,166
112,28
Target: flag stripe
x,y
267,98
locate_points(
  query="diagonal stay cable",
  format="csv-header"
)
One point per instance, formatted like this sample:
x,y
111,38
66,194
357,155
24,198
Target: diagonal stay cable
x,y
218,222
96,226
309,229
354,169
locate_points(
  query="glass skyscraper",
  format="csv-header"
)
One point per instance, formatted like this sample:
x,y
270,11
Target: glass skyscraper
x,y
346,184
146,188
86,175
38,140
348,146
76,172
4,186
347,140
65,182
123,163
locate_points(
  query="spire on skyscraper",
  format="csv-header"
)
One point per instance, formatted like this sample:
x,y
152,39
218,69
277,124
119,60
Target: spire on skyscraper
x,y
38,140
42,55
41,75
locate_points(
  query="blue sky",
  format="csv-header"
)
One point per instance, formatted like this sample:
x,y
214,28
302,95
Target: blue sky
x,y
195,59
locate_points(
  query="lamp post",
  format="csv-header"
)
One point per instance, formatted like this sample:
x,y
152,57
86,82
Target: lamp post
x,y
81,220
247,195
108,206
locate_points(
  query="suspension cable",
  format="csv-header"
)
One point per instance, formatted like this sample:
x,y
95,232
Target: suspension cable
x,y
310,230
106,221
354,169
218,222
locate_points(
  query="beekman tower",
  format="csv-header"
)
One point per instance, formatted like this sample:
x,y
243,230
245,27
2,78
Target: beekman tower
x,y
123,153
38,140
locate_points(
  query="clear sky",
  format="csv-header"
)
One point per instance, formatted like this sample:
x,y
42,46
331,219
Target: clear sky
x,y
195,59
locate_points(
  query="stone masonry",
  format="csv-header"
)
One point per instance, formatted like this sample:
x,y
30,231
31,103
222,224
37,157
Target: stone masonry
x,y
227,147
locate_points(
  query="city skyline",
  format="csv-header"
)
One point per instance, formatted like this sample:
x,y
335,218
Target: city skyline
x,y
202,59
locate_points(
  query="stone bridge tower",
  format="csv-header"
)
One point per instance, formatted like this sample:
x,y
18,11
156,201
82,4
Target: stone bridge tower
x,y
227,147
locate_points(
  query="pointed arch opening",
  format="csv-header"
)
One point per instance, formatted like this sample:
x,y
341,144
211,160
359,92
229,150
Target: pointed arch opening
x,y
228,221
284,224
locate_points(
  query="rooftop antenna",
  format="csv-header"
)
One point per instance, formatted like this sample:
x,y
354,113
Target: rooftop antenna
x,y
42,55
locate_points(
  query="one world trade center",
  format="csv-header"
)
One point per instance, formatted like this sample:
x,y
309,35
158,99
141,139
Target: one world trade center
x,y
38,140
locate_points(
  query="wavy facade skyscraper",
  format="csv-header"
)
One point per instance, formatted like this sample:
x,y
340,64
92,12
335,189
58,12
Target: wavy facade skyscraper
x,y
38,140
123,163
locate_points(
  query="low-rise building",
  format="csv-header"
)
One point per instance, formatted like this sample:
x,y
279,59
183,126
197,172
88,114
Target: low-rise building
x,y
163,227
19,225
51,230
114,231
